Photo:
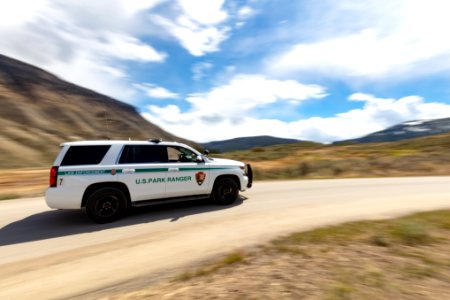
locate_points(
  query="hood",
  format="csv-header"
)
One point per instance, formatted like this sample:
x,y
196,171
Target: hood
x,y
227,162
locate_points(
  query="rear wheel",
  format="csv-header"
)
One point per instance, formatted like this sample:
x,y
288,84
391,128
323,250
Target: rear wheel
x,y
106,205
225,191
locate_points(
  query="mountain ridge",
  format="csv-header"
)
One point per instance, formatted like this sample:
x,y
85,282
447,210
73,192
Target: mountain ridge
x,y
245,143
405,130
40,111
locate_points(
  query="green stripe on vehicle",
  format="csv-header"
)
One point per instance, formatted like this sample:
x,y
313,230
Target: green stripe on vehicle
x,y
120,171
84,172
207,169
151,170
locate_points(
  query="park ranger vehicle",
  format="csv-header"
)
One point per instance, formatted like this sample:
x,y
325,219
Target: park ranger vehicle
x,y
104,178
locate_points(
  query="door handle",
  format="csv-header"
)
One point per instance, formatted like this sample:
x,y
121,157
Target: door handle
x,y
128,171
174,169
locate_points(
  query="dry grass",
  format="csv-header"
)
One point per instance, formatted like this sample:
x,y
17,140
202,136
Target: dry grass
x,y
335,262
23,183
230,259
415,157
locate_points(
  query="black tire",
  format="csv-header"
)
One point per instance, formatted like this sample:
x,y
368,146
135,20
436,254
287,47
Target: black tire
x,y
225,191
106,205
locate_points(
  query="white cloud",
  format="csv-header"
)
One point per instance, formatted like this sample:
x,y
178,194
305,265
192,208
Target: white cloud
x,y
73,41
245,12
19,11
198,26
376,114
129,48
135,6
154,91
204,12
91,43
200,69
225,113
197,38
246,92
376,40
242,14
100,77
387,112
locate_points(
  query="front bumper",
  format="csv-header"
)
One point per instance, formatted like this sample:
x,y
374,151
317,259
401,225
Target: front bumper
x,y
249,173
244,183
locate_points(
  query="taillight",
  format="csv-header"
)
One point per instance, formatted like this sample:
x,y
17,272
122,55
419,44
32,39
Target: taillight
x,y
53,176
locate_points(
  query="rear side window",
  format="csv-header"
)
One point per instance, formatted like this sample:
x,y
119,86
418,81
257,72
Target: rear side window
x,y
141,154
85,155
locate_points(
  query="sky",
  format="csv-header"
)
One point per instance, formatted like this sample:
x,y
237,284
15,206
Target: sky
x,y
214,69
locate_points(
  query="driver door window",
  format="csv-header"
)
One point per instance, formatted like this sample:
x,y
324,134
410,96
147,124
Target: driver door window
x,y
186,175
181,155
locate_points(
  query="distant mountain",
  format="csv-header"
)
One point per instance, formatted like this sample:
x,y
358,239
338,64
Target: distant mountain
x,y
39,111
244,143
406,130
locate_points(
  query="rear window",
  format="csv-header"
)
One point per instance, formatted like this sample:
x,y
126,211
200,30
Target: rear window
x,y
141,154
85,155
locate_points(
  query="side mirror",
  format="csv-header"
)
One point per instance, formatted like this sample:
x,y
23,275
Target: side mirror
x,y
199,159
206,151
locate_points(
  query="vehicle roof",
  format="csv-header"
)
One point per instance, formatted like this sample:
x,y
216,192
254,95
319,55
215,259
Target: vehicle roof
x,y
120,142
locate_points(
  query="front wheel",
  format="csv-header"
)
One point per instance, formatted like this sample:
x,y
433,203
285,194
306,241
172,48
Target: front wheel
x,y
225,191
106,205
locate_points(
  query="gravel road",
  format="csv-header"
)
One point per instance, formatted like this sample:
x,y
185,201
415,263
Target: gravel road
x,y
53,254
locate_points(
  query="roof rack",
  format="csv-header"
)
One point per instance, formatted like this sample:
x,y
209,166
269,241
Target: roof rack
x,y
156,141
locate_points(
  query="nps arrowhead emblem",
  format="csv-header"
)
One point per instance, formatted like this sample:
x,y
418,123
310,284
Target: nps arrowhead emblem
x,y
200,177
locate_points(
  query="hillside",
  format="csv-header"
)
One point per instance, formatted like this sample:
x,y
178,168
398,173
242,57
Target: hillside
x,y
413,157
406,130
245,143
39,111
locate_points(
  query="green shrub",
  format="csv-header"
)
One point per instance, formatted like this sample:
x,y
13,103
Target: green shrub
x,y
411,233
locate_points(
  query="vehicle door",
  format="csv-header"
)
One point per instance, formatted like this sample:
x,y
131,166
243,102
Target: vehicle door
x,y
143,169
186,176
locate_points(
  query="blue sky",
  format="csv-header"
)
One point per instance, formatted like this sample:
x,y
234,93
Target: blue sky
x,y
212,70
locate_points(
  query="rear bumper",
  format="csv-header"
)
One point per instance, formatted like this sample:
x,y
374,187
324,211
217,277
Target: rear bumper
x,y
60,199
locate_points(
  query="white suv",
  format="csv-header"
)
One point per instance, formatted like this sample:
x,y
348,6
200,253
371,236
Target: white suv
x,y
104,178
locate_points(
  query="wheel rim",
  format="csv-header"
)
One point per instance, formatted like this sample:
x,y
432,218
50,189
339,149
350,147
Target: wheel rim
x,y
227,192
107,206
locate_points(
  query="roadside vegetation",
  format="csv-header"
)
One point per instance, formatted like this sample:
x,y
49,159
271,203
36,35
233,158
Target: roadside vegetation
x,y
21,183
416,157
404,258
